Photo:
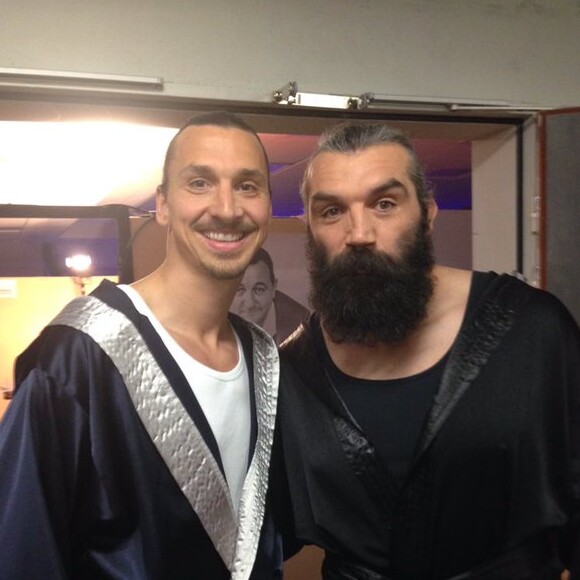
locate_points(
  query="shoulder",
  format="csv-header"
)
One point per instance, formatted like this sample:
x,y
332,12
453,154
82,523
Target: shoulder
x,y
545,309
528,299
65,347
57,344
301,342
536,312
62,364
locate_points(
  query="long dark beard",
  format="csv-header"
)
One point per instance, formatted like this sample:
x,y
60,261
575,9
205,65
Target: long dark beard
x,y
367,297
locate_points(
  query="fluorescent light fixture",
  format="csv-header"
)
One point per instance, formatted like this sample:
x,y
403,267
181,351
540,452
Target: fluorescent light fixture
x,y
25,76
80,163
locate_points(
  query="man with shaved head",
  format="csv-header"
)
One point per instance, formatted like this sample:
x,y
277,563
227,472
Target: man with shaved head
x,y
138,441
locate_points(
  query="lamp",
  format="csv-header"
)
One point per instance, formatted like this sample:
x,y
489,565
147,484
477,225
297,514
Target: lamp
x,y
80,266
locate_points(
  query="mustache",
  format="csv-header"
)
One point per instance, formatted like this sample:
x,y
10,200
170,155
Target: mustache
x,y
237,225
354,262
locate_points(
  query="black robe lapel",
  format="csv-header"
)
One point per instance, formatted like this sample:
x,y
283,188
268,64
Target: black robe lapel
x,y
482,334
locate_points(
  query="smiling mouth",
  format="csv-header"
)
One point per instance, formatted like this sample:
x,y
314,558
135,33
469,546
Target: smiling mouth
x,y
224,236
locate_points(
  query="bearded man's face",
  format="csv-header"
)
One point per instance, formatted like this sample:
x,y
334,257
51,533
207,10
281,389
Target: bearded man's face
x,y
369,246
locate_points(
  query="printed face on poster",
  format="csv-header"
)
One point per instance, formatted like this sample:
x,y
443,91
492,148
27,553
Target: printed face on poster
x,y
274,290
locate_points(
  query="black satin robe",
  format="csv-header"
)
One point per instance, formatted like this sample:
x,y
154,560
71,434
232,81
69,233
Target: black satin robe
x,y
495,479
84,493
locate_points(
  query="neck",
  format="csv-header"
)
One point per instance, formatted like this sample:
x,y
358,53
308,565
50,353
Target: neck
x,y
380,361
189,303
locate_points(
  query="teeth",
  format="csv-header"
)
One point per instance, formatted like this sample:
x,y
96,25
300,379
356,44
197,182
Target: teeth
x,y
224,236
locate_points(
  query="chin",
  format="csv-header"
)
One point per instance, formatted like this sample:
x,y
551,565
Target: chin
x,y
226,269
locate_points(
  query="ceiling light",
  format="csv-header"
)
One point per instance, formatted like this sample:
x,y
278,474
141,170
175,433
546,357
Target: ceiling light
x,y
80,163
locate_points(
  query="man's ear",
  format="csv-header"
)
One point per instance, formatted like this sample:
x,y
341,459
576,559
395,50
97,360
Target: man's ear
x,y
432,210
161,209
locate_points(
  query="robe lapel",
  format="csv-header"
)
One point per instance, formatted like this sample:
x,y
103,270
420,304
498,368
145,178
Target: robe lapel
x,y
476,342
253,500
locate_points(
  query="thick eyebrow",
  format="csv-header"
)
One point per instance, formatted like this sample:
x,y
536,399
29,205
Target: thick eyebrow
x,y
208,171
323,197
381,189
388,186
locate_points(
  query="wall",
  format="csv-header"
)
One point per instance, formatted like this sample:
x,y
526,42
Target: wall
x,y
36,302
494,202
515,50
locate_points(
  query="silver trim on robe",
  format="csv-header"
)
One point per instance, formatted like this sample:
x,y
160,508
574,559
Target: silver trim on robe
x,y
176,436
253,500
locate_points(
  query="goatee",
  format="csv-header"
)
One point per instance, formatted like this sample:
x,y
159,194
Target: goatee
x,y
364,296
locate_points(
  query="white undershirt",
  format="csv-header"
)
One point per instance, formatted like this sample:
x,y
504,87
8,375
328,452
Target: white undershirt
x,y
223,396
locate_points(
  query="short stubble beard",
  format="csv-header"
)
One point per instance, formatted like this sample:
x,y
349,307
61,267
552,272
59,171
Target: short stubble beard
x,y
364,296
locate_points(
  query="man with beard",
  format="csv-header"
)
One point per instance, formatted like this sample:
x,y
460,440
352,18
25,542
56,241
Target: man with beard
x,y
137,445
429,416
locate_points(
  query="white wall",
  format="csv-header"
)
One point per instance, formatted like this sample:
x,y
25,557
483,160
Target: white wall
x,y
513,50
494,202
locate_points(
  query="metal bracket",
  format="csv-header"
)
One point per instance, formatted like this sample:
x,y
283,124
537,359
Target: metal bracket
x,y
289,95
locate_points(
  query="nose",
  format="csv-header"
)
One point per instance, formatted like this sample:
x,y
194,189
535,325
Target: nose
x,y
360,228
225,203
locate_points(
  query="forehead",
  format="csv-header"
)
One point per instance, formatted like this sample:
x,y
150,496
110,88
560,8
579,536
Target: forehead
x,y
215,146
361,167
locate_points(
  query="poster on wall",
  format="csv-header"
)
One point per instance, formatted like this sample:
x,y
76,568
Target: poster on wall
x,y
274,290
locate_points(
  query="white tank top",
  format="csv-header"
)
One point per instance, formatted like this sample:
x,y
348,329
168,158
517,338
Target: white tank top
x,y
223,396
